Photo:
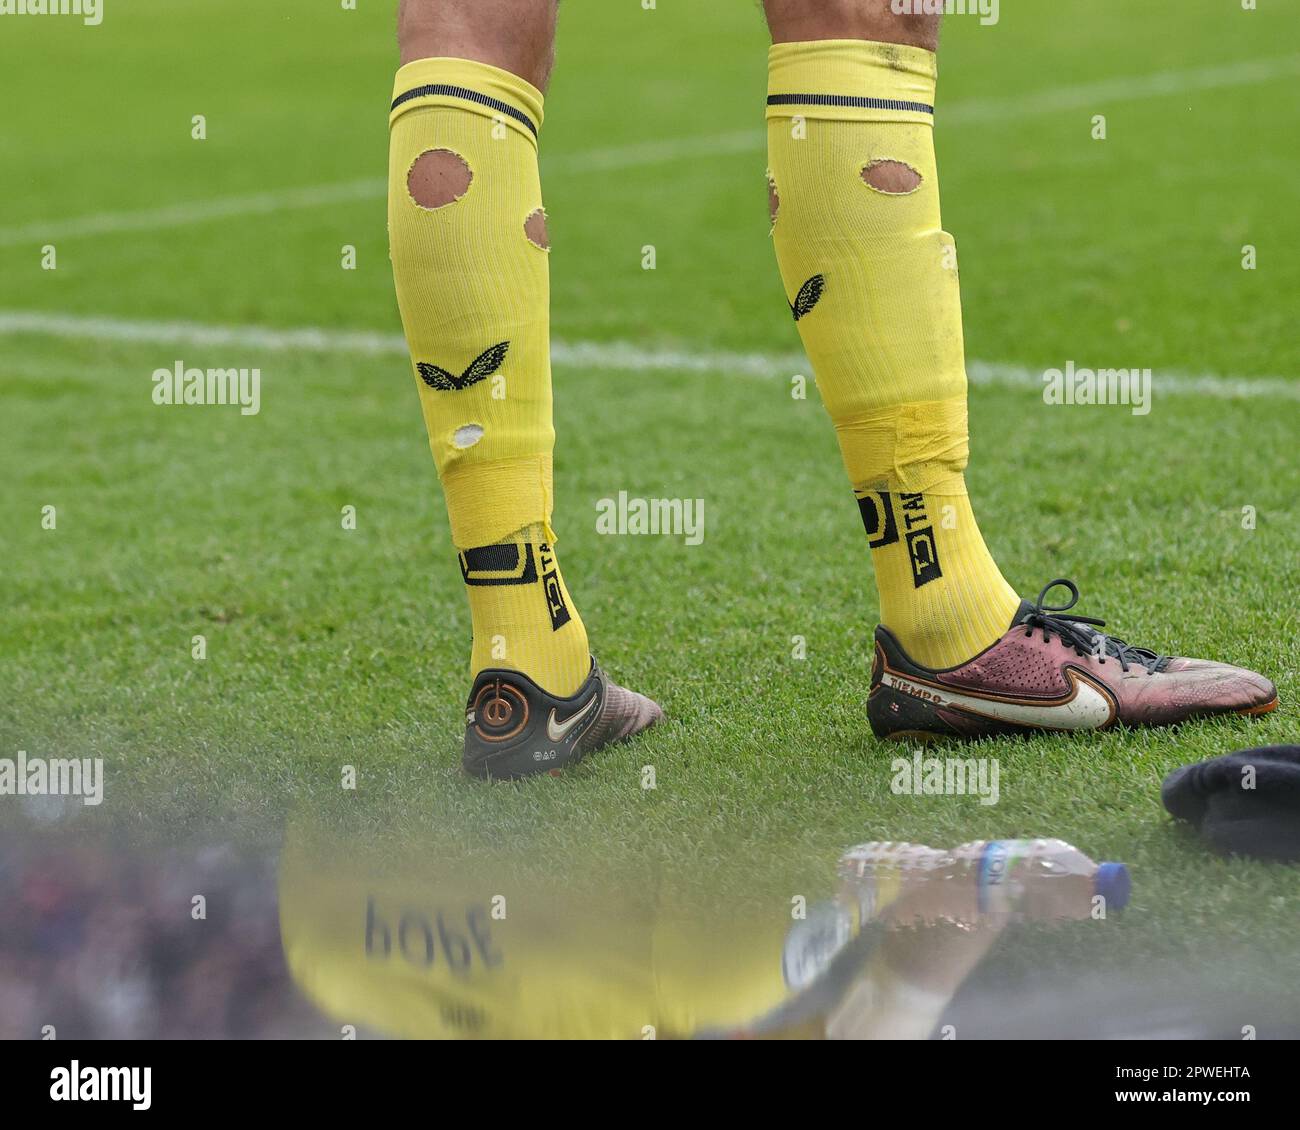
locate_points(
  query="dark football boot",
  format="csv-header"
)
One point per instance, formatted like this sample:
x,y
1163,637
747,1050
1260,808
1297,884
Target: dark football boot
x,y
513,728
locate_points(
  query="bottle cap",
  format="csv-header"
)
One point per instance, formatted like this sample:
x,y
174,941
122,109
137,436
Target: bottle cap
x,y
1112,882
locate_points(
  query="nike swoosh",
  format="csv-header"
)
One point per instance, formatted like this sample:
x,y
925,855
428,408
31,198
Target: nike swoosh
x,y
557,731
1086,708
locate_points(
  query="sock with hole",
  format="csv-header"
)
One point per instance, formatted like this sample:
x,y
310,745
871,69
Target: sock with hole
x,y
469,250
872,282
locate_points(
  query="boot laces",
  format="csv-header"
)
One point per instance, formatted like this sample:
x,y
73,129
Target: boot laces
x,y
1080,632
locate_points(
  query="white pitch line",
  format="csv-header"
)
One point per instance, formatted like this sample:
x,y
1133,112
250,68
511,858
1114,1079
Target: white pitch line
x,y
640,154
195,212
306,339
372,188
617,355
1131,88
1207,385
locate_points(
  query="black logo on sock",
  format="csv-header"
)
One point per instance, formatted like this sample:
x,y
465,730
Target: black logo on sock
x,y
807,297
554,592
921,546
878,516
925,556
509,564
483,366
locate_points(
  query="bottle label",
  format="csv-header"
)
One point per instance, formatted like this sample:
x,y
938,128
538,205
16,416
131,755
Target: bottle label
x,y
996,892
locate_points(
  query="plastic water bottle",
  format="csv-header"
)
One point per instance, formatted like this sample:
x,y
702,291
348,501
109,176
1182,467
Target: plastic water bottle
x,y
1031,879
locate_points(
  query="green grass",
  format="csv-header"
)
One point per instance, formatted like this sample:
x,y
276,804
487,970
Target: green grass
x,y
329,647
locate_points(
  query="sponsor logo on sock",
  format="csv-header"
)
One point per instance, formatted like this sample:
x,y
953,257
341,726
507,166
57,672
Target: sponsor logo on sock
x,y
878,517
554,591
921,540
482,367
808,296
921,547
509,564
925,556
557,731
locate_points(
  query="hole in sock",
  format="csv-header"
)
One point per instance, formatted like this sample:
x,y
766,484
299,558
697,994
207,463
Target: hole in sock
x,y
467,435
773,199
893,178
535,229
439,177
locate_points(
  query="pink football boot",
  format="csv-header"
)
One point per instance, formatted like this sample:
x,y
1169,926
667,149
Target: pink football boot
x,y
1052,672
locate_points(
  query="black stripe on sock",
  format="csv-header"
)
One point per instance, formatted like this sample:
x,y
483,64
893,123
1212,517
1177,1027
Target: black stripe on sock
x,y
847,100
446,90
498,564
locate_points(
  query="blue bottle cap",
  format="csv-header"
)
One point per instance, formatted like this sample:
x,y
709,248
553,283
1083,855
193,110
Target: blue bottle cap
x,y
1112,882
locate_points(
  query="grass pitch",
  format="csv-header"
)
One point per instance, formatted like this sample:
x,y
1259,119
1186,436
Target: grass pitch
x,y
329,647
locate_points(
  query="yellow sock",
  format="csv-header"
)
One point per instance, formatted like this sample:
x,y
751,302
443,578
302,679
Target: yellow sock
x,y
467,241
523,616
872,280
940,592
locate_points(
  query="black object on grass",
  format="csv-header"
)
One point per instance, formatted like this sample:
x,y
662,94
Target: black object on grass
x,y
1247,802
